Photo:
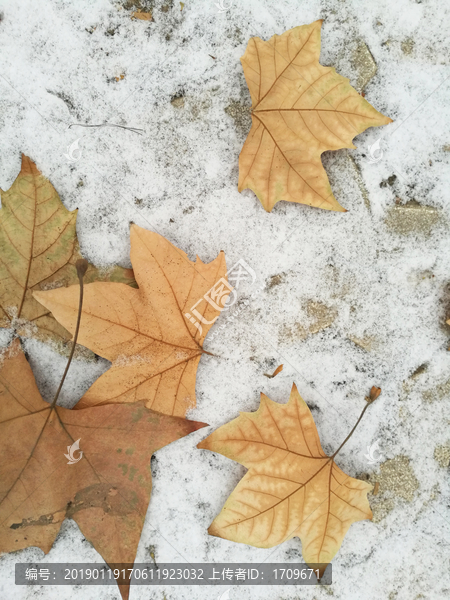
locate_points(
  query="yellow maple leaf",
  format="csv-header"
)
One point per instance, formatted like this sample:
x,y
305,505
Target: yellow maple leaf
x,y
146,333
300,109
292,488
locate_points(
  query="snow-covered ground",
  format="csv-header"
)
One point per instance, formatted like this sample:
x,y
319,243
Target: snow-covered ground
x,y
344,300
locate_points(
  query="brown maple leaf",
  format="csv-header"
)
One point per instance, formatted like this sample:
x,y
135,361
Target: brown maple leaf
x,y
146,333
106,492
292,488
300,109
38,250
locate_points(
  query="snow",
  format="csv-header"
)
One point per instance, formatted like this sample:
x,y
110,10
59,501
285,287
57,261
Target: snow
x,y
59,61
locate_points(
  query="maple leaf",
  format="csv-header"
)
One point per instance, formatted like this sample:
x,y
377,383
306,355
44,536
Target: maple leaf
x,y
154,348
38,250
106,492
292,488
299,109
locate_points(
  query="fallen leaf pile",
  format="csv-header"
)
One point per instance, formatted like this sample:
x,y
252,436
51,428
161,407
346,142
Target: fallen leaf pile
x,y
38,250
107,492
153,347
299,109
155,351
292,488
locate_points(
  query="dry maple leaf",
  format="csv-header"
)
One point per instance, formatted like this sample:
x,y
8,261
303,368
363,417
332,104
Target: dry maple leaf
x,y
106,492
299,109
38,250
154,348
292,488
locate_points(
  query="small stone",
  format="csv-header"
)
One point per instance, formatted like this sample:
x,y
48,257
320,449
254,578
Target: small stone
x,y
442,456
241,116
389,181
396,478
275,280
407,46
323,315
365,65
129,4
366,343
421,369
177,101
412,218
408,384
359,180
437,393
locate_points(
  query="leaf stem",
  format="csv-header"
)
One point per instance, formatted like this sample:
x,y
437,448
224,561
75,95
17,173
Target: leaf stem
x,y
374,393
208,353
81,266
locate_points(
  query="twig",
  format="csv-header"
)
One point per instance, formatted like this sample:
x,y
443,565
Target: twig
x,y
81,266
133,129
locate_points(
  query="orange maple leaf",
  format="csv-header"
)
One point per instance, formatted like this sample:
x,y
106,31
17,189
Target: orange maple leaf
x,y
146,333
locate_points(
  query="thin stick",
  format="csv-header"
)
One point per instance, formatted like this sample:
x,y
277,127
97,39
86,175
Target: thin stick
x,y
133,129
81,266
374,393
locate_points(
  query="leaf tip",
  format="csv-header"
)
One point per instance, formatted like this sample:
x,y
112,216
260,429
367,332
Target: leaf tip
x,y
199,425
213,529
203,445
